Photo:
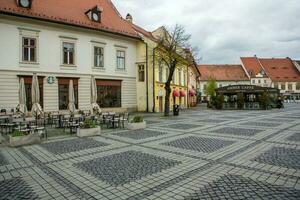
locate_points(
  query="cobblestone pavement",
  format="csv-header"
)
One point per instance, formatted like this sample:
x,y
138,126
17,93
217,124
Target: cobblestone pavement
x,y
201,154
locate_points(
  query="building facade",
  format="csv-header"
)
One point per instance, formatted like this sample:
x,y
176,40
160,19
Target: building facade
x,y
89,39
280,73
224,75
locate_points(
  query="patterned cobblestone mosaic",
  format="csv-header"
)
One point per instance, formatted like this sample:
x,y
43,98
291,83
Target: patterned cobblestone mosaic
x,y
3,161
212,120
206,145
238,187
16,188
122,168
182,126
67,146
140,134
294,138
266,124
280,156
237,131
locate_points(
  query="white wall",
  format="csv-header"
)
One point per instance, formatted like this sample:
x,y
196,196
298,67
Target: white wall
x,y
50,60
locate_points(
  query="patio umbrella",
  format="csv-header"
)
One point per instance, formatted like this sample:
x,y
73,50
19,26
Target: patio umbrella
x,y
71,105
95,106
35,96
22,98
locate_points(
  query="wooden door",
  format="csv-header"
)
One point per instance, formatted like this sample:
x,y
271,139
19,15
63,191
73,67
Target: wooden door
x,y
160,104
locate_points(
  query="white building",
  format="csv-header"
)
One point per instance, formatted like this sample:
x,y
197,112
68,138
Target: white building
x,y
224,75
88,38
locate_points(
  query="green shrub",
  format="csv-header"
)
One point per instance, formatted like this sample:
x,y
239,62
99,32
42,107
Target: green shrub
x,y
265,100
89,124
17,133
219,101
240,101
137,119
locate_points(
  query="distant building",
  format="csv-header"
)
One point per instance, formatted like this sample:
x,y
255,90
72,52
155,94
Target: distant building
x,y
224,75
281,73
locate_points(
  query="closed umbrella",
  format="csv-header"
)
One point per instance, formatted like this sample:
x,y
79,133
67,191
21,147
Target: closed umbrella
x,y
95,106
35,96
71,105
22,98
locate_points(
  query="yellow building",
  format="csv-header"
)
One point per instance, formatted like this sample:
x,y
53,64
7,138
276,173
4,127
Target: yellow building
x,y
152,75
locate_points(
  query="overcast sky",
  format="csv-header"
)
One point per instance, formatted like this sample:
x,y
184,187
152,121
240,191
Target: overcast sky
x,y
224,30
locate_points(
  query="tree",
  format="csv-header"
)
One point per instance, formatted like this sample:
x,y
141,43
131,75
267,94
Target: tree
x,y
240,101
172,45
211,87
265,100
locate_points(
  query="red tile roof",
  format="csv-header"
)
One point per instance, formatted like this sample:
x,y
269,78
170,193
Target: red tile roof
x,y
252,65
223,72
73,12
144,32
280,69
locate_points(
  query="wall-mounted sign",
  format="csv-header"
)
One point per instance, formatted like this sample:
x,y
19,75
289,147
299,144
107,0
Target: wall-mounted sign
x,y
50,79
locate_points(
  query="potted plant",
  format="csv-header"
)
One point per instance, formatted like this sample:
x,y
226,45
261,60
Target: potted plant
x,y
17,138
88,128
137,123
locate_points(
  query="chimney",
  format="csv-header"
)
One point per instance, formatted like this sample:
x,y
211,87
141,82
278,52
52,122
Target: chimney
x,y
129,18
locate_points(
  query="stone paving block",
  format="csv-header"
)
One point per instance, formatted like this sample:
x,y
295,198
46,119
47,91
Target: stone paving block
x,y
238,187
237,131
122,168
294,138
73,145
3,161
182,126
206,145
16,188
267,124
280,156
140,134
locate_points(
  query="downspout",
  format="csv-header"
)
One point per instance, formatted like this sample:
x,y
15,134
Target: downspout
x,y
153,109
188,82
147,78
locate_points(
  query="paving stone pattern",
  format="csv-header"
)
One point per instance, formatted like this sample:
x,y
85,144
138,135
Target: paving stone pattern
x,y
183,126
122,168
206,145
294,138
16,188
280,156
67,146
3,161
140,134
238,187
212,120
267,124
237,131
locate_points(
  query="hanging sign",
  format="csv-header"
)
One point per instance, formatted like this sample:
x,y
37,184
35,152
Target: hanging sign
x,y
50,79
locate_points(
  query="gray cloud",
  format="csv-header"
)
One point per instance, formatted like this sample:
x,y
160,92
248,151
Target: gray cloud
x,y
224,30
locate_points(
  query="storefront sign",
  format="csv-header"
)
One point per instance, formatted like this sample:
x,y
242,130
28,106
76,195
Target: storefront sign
x,y
50,80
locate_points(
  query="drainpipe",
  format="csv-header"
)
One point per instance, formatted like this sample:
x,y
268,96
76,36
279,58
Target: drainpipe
x,y
147,78
188,82
153,109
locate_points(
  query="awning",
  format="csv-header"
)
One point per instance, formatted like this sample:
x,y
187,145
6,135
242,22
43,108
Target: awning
x,y
192,92
182,93
176,93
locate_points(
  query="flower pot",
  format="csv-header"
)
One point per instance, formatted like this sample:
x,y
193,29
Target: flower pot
x,y
88,132
34,138
137,126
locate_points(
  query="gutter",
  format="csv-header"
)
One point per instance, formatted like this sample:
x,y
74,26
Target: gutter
x,y
147,78
153,109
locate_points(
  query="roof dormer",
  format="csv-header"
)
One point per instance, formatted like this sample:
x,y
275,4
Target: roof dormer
x,y
94,14
24,3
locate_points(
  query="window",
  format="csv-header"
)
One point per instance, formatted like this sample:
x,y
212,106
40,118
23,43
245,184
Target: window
x,y
220,85
29,49
297,86
63,92
98,57
290,87
259,81
68,53
141,73
265,81
120,59
28,83
276,85
204,87
167,74
109,93
253,81
283,86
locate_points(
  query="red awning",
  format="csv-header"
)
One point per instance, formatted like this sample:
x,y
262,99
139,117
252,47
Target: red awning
x,y
192,92
176,93
182,93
